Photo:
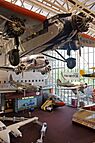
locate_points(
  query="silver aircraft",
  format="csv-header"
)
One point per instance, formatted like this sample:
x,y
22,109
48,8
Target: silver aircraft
x,y
5,130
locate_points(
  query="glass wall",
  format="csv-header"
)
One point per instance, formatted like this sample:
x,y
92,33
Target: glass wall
x,y
83,62
87,60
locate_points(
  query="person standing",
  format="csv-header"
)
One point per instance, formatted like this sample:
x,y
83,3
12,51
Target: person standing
x,y
88,91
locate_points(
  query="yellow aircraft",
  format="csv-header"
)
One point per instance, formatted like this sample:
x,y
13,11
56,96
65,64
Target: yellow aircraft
x,y
84,74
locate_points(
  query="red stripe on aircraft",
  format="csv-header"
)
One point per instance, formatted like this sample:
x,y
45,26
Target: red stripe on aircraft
x,y
87,36
20,10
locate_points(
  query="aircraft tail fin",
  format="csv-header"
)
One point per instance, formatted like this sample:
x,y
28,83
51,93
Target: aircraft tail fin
x,y
58,82
93,68
63,75
11,78
82,72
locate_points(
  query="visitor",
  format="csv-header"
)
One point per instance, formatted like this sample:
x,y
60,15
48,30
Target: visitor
x,y
88,91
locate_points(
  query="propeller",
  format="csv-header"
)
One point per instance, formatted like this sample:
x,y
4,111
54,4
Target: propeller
x,y
46,61
81,22
15,27
46,70
22,68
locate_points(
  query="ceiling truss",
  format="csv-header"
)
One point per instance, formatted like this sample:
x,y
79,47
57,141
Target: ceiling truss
x,y
49,8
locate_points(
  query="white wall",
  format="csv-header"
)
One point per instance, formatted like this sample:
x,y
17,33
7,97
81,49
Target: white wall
x,y
35,78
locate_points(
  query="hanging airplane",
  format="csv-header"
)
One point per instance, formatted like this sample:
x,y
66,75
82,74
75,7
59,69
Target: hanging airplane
x,y
74,86
38,34
5,130
69,84
23,86
33,62
90,75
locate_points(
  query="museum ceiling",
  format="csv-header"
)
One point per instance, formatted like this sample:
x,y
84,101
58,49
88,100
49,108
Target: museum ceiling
x,y
51,7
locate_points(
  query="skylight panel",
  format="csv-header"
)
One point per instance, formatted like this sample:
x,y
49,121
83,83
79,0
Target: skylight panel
x,y
27,6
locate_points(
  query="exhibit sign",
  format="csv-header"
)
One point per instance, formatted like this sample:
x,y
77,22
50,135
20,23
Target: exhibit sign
x,y
26,103
71,76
